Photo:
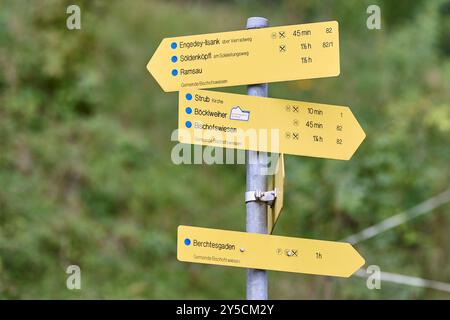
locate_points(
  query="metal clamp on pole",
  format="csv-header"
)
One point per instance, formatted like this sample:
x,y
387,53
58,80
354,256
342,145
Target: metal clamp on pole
x,y
261,196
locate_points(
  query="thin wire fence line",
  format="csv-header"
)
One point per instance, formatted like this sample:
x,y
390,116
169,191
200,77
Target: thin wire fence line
x,y
407,280
391,222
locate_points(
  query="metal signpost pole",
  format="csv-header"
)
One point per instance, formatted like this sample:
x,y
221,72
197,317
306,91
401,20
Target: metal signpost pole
x,y
256,181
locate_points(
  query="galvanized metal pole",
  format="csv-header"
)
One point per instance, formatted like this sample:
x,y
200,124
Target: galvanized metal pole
x,y
257,288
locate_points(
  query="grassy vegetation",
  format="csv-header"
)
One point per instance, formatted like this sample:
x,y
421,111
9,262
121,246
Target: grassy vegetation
x,y
86,175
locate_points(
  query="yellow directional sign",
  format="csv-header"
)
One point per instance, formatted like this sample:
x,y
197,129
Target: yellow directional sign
x,y
236,121
303,51
267,252
277,184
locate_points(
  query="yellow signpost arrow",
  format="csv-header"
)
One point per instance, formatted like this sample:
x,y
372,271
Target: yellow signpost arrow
x,y
267,252
277,184
294,52
228,120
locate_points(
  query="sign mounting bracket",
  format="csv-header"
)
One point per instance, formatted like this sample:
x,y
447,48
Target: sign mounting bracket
x,y
268,197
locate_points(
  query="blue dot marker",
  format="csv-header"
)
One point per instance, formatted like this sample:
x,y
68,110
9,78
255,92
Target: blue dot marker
x,y
188,96
174,72
173,45
187,241
188,110
174,59
188,124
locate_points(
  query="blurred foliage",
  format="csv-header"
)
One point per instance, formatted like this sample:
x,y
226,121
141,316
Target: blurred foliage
x,y
85,170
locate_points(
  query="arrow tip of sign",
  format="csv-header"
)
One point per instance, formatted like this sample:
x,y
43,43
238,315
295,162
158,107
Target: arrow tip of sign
x,y
358,134
358,261
149,69
156,69
154,75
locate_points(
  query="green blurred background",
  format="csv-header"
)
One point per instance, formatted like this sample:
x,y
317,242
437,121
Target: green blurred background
x,y
86,176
